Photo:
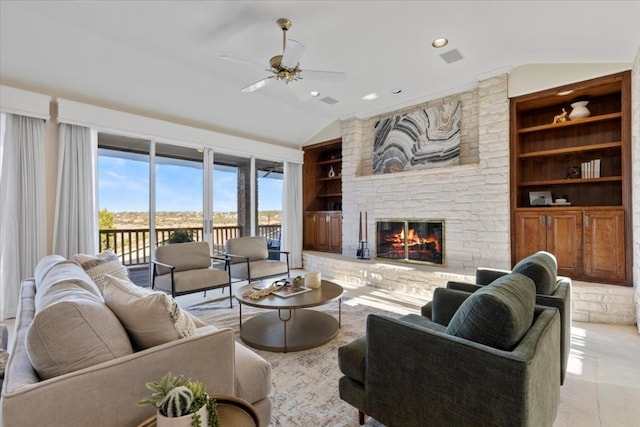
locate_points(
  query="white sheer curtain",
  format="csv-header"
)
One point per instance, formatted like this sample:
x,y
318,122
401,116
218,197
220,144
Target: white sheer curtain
x,y
23,234
76,222
292,213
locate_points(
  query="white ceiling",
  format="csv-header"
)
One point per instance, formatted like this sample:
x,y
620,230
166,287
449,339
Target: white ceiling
x,y
162,58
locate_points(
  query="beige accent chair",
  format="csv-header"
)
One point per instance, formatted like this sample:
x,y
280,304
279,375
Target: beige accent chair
x,y
248,259
185,268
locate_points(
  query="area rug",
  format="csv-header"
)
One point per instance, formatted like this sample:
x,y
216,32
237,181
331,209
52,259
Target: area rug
x,y
305,383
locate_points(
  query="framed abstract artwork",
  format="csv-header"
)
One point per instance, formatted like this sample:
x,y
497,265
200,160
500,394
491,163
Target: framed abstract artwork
x,y
423,139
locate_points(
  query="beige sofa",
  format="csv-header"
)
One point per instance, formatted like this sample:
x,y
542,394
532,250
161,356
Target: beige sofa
x,y
73,362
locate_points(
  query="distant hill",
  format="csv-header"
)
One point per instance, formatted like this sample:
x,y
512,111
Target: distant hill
x,y
186,219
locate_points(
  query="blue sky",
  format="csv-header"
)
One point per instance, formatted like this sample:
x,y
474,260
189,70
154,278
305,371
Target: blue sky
x,y
123,185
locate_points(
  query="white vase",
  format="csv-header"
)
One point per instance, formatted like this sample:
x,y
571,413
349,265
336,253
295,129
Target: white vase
x,y
183,421
580,110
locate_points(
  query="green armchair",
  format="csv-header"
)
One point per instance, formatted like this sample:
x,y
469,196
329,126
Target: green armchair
x,y
551,291
461,367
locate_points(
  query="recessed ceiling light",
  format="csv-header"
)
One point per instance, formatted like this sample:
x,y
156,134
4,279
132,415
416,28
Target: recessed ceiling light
x,y
565,92
396,91
442,42
370,97
314,93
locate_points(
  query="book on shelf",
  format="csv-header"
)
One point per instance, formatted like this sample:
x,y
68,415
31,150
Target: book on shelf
x,y
596,168
590,169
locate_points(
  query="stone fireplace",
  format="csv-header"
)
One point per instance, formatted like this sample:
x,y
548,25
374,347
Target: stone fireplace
x,y
413,240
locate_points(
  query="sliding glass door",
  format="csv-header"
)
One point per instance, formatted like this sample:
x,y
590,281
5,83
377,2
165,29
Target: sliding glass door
x,y
153,193
179,187
123,197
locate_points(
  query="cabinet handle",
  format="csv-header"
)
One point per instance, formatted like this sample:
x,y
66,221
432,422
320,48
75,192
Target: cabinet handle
x,y
327,219
549,220
543,221
586,221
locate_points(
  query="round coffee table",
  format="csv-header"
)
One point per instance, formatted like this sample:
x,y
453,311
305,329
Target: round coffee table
x,y
288,326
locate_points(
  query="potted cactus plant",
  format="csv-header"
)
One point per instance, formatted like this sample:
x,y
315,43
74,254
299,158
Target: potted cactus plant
x,y
181,402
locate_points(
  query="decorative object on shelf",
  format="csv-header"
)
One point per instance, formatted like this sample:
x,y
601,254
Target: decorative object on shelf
x,y
572,172
332,173
559,118
580,110
181,403
540,198
298,281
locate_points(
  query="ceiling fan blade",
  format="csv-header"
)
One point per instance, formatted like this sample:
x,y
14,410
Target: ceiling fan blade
x,y
257,85
240,61
326,76
292,54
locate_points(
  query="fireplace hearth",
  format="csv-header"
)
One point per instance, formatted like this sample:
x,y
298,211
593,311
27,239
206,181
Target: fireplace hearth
x,y
416,241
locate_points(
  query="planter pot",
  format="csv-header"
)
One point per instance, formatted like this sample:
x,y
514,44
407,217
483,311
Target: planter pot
x,y
183,421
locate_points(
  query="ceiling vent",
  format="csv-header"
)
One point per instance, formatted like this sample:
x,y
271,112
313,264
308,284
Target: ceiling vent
x,y
329,100
451,56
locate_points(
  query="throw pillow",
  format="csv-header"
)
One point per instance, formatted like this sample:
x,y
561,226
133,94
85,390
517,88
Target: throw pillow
x,y
150,317
74,329
498,315
98,266
542,268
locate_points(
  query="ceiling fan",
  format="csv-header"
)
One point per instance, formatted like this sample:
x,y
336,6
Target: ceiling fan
x,y
286,67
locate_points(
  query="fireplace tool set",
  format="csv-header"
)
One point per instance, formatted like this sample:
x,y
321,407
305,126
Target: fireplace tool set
x,y
363,250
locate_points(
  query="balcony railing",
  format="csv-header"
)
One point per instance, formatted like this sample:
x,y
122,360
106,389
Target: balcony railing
x,y
134,248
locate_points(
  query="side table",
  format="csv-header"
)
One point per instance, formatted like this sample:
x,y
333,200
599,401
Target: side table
x,y
232,411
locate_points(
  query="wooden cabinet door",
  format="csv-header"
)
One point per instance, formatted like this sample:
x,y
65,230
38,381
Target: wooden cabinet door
x,y
335,232
530,233
310,230
604,245
322,236
564,240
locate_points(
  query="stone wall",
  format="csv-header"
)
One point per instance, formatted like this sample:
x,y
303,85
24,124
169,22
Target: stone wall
x,y
591,302
472,198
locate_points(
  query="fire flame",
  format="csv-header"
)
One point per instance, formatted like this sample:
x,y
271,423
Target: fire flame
x,y
413,239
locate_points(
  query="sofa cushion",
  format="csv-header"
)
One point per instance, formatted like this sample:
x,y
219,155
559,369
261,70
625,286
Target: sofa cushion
x,y
498,315
150,317
73,329
56,276
98,266
542,268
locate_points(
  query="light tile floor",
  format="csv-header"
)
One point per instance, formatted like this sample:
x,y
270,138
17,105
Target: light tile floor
x,y
603,382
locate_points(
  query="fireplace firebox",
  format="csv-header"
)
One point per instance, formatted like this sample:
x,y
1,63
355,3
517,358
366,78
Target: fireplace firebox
x,y
417,241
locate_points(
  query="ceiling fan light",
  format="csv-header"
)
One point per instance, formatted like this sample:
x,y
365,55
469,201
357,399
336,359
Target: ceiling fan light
x,y
441,42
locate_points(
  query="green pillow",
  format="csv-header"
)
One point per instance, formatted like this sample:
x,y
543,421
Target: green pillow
x,y
498,315
542,268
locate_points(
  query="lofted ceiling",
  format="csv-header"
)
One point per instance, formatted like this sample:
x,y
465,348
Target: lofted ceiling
x,y
163,58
